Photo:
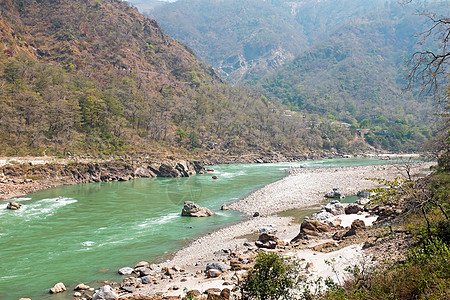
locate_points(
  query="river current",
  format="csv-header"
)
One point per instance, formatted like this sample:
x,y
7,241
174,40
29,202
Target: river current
x,y
86,232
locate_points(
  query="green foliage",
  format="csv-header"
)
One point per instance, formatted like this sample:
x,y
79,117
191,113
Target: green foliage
x,y
271,278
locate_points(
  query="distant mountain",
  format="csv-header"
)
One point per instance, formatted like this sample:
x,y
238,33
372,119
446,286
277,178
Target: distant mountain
x,y
240,38
97,77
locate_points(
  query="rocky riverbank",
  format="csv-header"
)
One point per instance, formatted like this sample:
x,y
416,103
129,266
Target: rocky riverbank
x,y
213,265
23,175
24,178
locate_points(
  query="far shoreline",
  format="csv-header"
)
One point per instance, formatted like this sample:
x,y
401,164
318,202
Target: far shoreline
x,y
20,176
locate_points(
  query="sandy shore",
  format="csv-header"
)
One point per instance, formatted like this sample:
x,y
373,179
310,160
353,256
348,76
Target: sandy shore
x,y
301,189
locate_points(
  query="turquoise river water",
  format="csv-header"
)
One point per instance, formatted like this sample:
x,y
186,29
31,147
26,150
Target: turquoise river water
x,y
86,232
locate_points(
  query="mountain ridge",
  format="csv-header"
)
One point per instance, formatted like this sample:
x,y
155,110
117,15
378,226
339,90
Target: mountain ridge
x,y
97,77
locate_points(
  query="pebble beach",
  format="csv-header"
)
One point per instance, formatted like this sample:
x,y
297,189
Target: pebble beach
x,y
302,188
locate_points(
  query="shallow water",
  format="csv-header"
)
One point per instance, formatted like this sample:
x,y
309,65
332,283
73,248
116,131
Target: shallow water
x,y
86,232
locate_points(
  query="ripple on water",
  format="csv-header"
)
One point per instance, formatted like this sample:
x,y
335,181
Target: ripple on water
x,y
159,220
40,209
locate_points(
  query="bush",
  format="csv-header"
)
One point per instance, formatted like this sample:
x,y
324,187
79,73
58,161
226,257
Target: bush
x,y
272,277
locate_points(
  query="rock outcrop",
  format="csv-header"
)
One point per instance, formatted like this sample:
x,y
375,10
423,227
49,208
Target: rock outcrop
x,y
191,209
121,169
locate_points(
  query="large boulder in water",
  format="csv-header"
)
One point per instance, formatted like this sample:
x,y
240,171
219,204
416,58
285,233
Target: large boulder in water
x,y
191,209
58,288
13,205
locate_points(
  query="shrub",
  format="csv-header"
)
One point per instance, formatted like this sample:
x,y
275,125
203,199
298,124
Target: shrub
x,y
272,277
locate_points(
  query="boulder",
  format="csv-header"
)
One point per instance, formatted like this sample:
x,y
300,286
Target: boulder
x,y
224,207
362,201
334,207
356,225
105,293
128,289
236,265
385,212
222,267
143,172
334,194
311,227
58,288
168,271
82,287
256,214
144,264
126,271
182,169
191,209
323,215
225,294
268,241
131,281
13,205
146,279
339,235
353,208
213,273
193,294
143,271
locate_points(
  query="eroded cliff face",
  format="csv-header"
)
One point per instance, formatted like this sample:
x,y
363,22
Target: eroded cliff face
x,y
252,61
17,180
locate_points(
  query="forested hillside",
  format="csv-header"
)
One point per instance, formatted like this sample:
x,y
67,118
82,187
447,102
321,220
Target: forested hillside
x,y
358,75
350,62
97,77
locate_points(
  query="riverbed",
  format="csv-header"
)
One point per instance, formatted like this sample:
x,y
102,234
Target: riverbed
x,y
86,232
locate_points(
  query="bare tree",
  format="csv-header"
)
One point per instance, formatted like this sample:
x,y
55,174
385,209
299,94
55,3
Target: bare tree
x,y
429,67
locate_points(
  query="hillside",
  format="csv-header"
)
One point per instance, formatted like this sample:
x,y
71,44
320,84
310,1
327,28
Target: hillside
x,y
358,75
349,65
97,77
254,36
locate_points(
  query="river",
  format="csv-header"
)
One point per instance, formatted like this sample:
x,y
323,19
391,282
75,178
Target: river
x,y
86,232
